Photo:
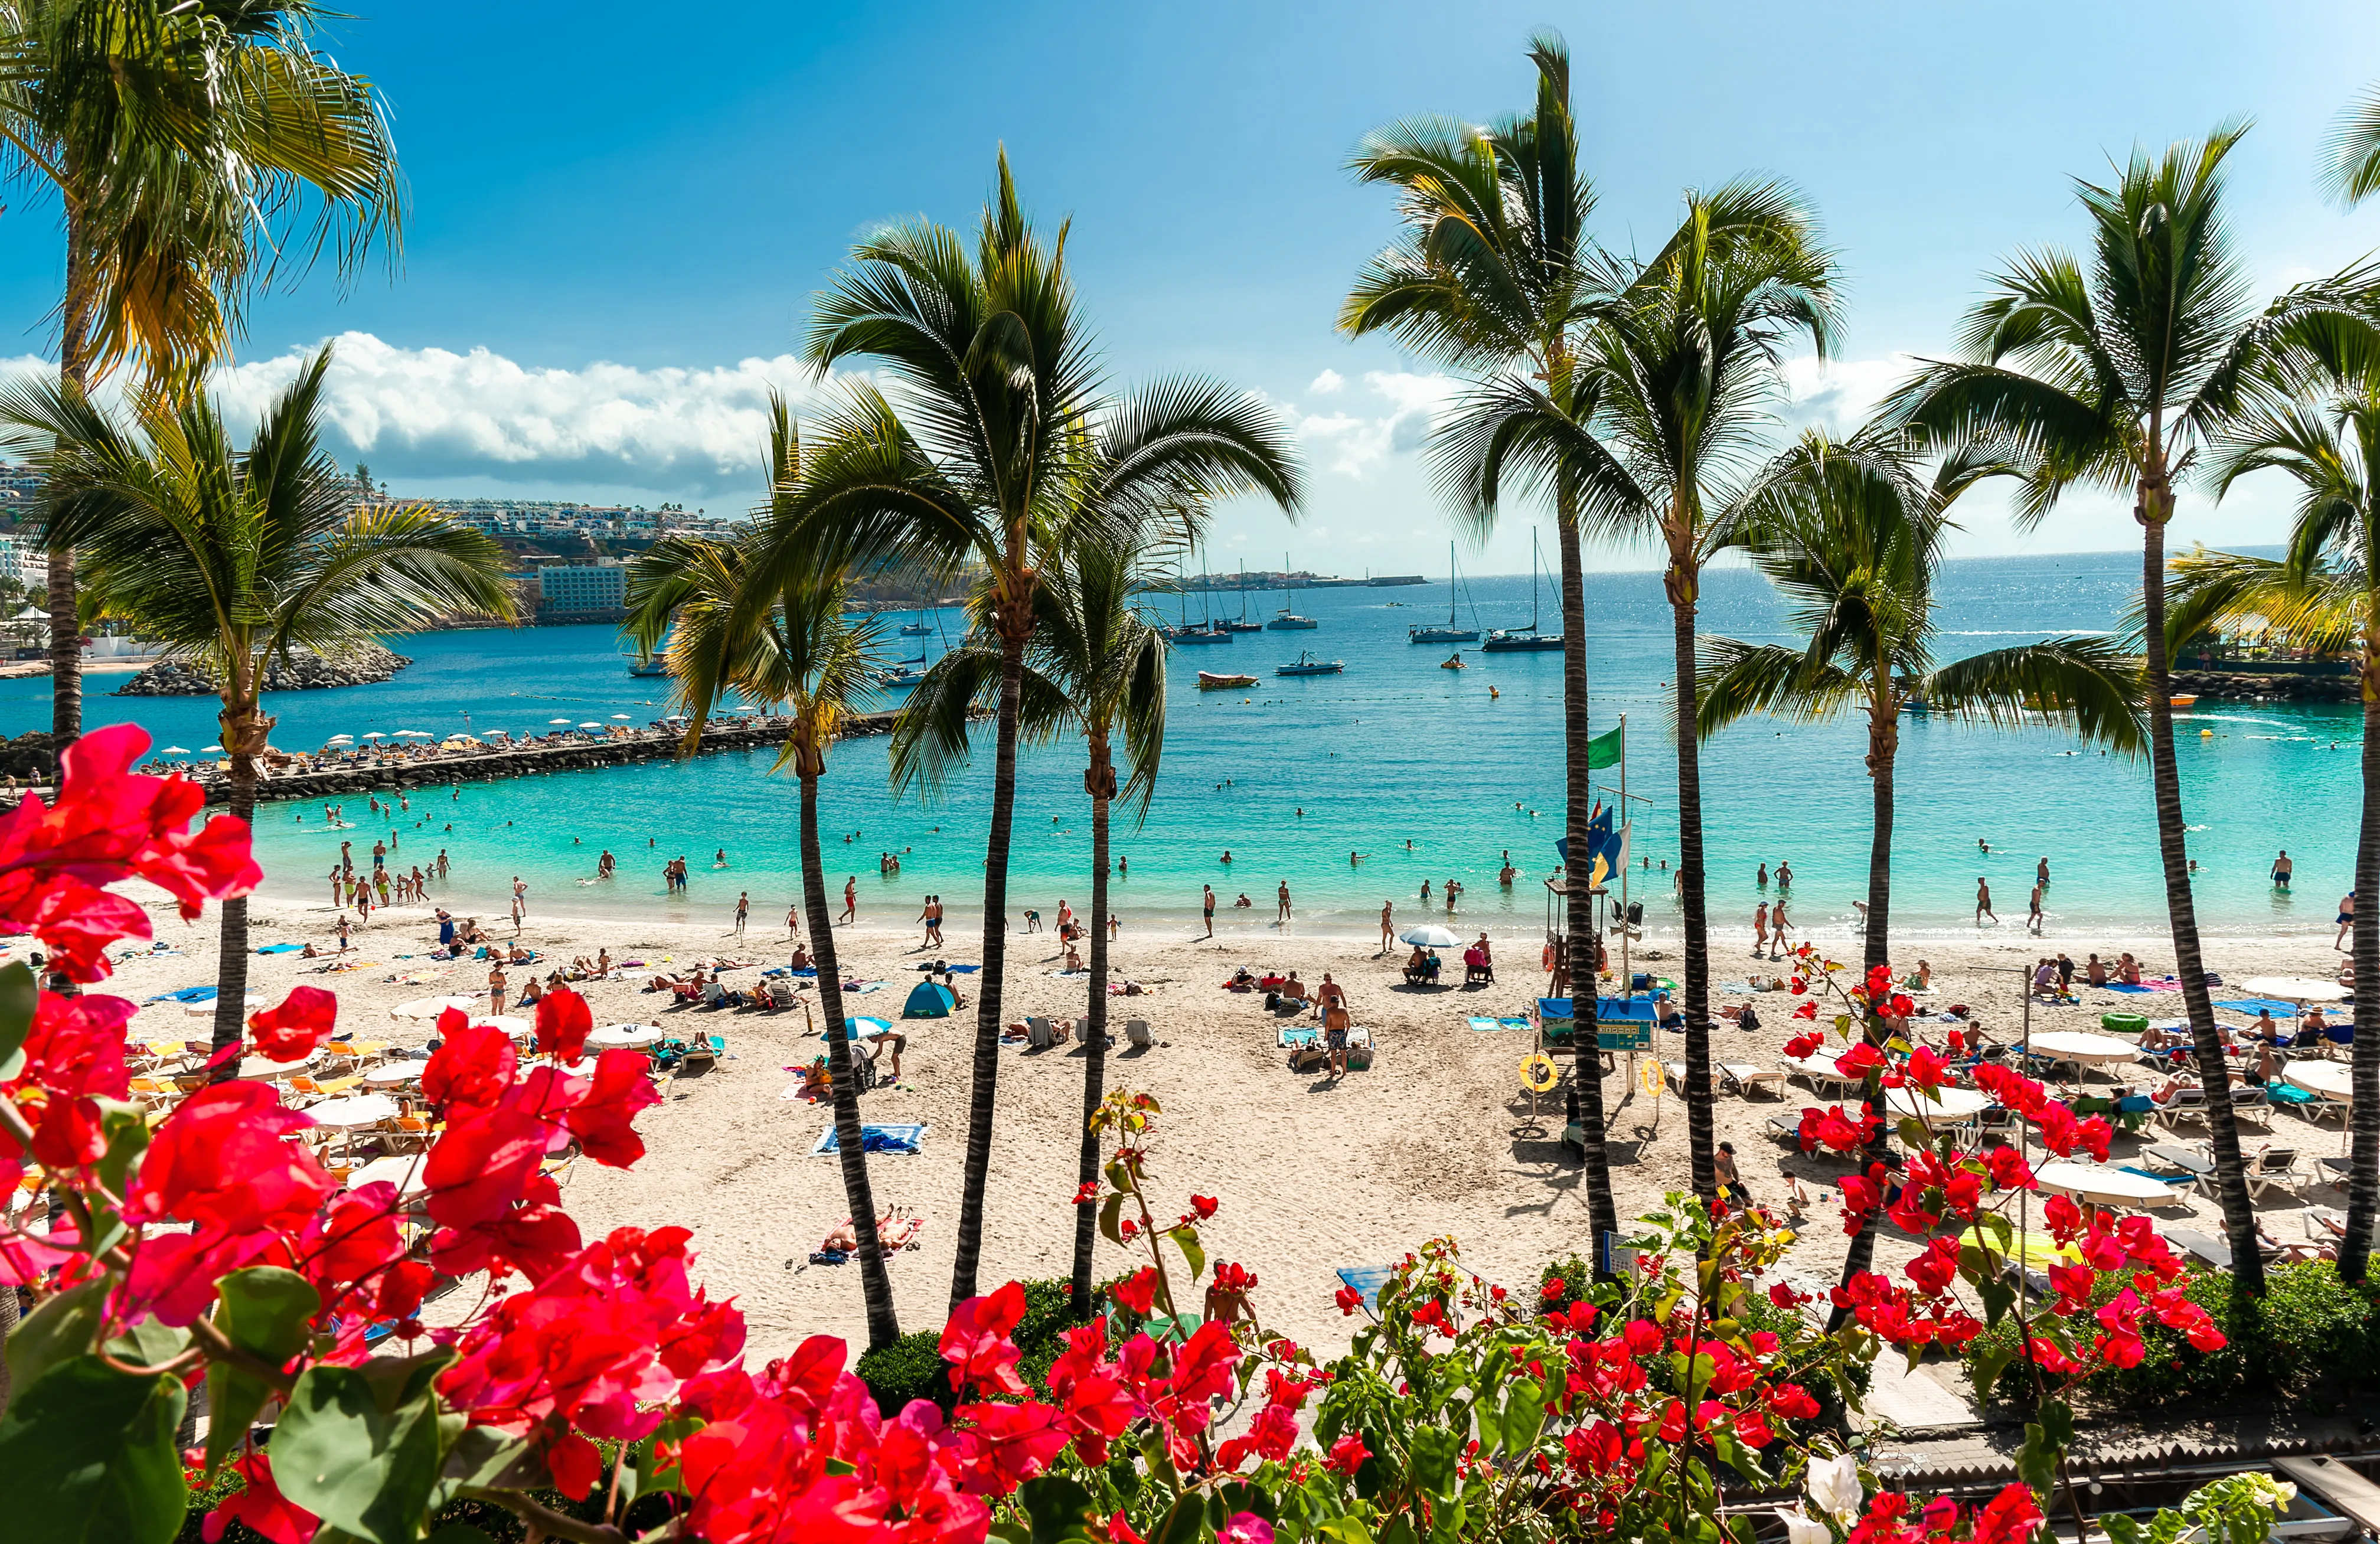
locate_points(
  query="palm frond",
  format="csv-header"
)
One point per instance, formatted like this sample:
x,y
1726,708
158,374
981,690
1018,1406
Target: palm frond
x,y
2091,685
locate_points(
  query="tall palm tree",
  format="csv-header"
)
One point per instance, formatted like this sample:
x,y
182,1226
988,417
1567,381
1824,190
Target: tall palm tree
x,y
2325,595
2116,374
1852,534
1494,275
195,149
999,414
690,599
1096,669
1679,372
234,557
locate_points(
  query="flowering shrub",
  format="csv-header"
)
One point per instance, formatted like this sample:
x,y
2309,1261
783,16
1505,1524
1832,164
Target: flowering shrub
x,y
211,1256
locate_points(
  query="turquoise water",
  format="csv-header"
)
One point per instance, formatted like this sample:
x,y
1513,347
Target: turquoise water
x,y
1394,751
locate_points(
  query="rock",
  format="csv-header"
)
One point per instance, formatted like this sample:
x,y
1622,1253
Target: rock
x,y
28,756
358,665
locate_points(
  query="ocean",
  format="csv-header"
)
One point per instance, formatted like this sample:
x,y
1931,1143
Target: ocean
x,y
1419,772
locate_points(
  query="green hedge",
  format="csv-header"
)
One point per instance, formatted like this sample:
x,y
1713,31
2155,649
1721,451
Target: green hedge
x,y
911,1367
2311,1338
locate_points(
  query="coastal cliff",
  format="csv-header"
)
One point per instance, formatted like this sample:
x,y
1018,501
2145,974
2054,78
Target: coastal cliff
x,y
304,671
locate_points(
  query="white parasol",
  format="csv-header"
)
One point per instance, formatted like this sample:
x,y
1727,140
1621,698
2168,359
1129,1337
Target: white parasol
x,y
1430,935
431,1007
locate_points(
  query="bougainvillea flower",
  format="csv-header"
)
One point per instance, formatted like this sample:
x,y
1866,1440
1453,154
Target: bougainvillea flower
x,y
563,1022
302,1021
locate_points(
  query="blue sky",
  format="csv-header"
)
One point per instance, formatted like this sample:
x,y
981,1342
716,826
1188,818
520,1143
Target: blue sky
x,y
617,227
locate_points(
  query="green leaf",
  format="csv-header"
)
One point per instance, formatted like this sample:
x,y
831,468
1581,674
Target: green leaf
x,y
1186,1238
1111,1211
125,1127
1491,1426
1525,1414
357,1465
1998,1297
19,995
674,1432
482,1458
263,1310
1182,1523
62,1328
1238,1496
1057,1507
1434,1451
149,1344
86,1457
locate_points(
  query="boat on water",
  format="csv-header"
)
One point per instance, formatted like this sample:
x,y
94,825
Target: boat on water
x,y
1454,661
904,677
1287,620
1450,633
1209,681
1308,666
1523,640
2183,700
654,666
919,628
1243,625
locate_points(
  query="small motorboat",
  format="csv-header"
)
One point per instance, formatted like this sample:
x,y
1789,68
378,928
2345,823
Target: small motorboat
x,y
1209,681
2183,700
1288,620
1308,666
1454,661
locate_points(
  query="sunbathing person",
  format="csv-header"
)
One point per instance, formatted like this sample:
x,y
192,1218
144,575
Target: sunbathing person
x,y
2275,1249
2128,970
801,960
893,1230
1292,992
1075,960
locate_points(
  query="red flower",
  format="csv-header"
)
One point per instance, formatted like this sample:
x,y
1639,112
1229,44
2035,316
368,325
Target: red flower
x,y
1555,1287
1808,1010
2010,1517
1008,1444
1791,1402
306,1017
478,1168
575,1465
1087,1193
1204,1206
471,1068
1347,1455
1138,1290
1859,1060
977,1345
219,1162
1348,1299
1803,1045
75,1047
260,1504
563,1021
621,1085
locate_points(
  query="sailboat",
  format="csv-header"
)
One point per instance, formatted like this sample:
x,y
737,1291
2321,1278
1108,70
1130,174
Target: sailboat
x,y
918,629
1308,666
1288,620
1523,640
1243,625
1450,633
1205,632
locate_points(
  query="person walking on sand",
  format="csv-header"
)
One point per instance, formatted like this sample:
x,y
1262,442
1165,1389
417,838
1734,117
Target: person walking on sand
x,y
794,920
1760,927
850,899
2346,920
742,911
1283,892
2283,867
1388,925
934,920
2032,918
1984,903
520,901
1210,911
496,985
1331,998
1777,926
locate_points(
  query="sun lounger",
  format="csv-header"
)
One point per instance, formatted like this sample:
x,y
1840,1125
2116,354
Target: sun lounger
x,y
2271,1168
2208,1251
1785,1130
1746,1079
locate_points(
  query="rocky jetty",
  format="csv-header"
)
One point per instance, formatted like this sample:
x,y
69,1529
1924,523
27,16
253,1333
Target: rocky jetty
x,y
2341,686
361,665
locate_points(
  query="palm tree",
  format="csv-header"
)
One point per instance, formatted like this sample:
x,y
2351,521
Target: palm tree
x,y
2352,158
1678,373
180,141
1852,536
2324,594
232,558
999,416
793,646
1494,275
2115,375
1096,669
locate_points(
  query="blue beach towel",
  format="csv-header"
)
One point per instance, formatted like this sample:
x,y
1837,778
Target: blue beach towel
x,y
2277,1008
188,994
2167,1180
877,1138
294,948
1484,1025
1299,1036
2286,1093
1368,1280
2120,986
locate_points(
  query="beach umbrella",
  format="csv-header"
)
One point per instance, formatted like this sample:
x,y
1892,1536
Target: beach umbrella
x,y
374,735
211,750
174,750
557,720
431,1007
628,1036
402,1169
590,724
353,1112
2294,988
1430,935
619,715
516,1028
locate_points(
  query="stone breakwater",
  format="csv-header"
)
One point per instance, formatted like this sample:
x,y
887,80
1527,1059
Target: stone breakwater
x,y
2328,685
448,767
364,664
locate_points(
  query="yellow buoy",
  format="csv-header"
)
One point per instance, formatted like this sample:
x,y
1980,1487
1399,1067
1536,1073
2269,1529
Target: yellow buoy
x,y
1537,1074
2206,734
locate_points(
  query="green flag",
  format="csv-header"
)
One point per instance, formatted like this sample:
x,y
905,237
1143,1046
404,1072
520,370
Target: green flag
x,y
1604,750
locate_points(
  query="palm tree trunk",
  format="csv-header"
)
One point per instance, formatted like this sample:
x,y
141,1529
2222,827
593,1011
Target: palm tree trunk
x,y
244,730
1583,1110
875,1282
2363,1164
983,1097
1883,743
1701,1117
66,621
1095,1038
2230,1176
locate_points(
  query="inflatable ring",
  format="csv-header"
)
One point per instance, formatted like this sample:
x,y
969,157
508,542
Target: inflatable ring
x,y
1537,1074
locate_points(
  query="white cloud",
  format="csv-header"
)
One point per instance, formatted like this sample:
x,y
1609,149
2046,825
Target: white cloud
x,y
1327,383
1352,444
1839,394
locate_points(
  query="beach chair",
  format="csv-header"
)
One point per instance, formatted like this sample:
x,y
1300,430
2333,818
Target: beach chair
x,y
1785,1130
2271,1167
1136,1031
2254,1103
2187,1104
1746,1079
1038,1036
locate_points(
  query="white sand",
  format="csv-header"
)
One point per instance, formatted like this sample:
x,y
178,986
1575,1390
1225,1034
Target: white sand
x,y
1312,1174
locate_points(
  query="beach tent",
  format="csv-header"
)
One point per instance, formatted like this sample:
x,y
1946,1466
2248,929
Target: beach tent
x,y
927,1000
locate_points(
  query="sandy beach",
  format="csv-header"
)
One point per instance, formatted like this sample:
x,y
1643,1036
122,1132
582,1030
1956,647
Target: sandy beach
x,y
1313,1173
